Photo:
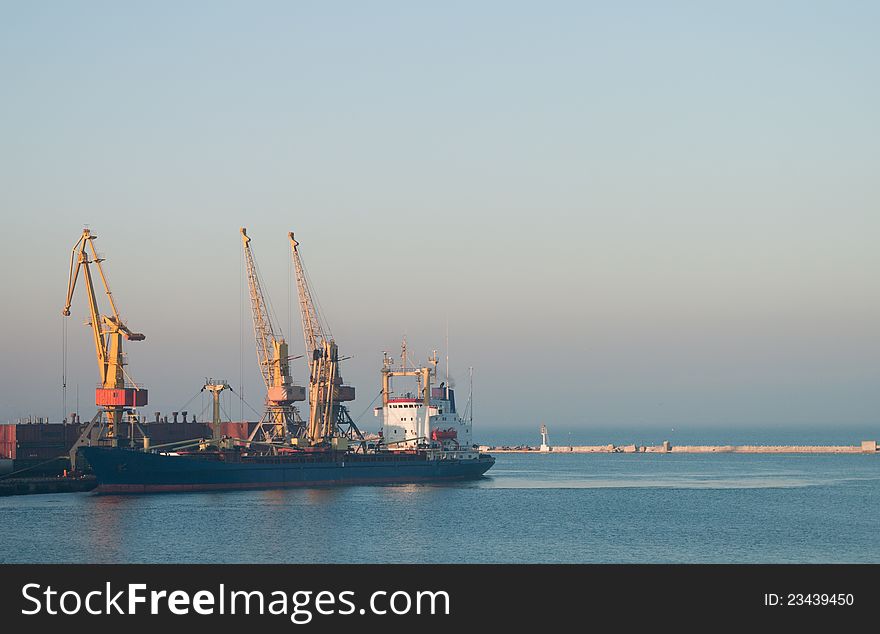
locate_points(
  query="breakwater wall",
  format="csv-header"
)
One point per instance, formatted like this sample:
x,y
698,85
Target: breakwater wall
x,y
866,447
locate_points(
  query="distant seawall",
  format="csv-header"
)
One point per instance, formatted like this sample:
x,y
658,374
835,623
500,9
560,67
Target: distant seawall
x,y
866,447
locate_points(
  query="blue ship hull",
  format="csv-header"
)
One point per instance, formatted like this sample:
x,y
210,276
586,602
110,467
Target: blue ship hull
x,y
127,471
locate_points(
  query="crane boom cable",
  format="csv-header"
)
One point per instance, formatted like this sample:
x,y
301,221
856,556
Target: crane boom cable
x,y
223,409
241,331
97,261
323,324
289,298
194,397
272,322
262,326
76,264
311,324
245,402
367,409
63,368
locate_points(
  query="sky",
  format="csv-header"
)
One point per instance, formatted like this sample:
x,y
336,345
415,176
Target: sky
x,y
628,213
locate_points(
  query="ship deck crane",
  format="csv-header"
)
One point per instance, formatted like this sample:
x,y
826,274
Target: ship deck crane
x,y
280,421
116,396
216,387
424,375
327,415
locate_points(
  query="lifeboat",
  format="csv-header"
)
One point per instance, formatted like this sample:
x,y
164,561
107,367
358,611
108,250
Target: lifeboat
x,y
444,434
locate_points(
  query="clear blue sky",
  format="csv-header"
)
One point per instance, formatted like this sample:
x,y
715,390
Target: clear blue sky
x,y
631,213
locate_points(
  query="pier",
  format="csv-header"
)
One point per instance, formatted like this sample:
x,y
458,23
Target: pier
x,y
30,486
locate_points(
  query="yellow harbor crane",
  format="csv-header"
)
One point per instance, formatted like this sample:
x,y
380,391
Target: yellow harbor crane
x,y
281,421
115,396
327,415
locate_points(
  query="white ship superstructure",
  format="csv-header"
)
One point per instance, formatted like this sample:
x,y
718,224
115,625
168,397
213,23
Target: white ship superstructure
x,y
426,418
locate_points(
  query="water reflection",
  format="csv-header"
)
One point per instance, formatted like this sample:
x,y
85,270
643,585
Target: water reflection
x,y
108,526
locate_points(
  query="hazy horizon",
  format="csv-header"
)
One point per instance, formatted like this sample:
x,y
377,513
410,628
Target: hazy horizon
x,y
629,215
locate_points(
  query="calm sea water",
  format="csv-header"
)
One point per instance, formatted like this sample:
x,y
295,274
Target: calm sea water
x,y
530,508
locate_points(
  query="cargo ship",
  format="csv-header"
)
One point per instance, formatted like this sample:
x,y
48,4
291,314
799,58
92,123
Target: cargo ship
x,y
423,438
127,471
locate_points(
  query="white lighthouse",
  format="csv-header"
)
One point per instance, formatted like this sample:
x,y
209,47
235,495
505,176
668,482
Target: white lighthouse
x,y
545,445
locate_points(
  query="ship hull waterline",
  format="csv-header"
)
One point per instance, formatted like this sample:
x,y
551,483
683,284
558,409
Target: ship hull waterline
x,y
124,471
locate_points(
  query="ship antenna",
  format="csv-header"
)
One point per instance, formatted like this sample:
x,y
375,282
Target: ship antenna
x,y
471,397
447,350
